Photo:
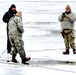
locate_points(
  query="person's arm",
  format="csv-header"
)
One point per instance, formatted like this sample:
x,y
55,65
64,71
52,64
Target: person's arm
x,y
61,17
5,17
72,17
20,24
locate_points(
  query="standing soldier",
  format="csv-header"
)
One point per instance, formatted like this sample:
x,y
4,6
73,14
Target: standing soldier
x,y
15,35
67,20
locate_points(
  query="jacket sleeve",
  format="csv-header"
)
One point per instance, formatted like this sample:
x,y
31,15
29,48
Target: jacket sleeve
x,y
5,17
72,17
60,18
20,24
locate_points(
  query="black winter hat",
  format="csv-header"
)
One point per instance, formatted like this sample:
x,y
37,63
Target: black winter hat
x,y
13,6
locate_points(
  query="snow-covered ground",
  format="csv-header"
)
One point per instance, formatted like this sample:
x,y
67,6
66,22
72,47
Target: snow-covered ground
x,y
42,38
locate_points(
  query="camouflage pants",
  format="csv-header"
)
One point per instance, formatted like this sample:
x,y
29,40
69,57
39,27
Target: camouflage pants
x,y
17,46
69,39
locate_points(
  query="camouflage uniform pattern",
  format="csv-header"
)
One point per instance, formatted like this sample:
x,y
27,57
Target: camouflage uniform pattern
x,y
17,46
69,39
15,36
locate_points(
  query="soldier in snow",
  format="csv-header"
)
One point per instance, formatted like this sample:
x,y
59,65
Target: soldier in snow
x,y
67,20
15,35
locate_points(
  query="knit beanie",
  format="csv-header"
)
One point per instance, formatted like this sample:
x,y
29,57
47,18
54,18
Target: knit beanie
x,y
13,6
68,7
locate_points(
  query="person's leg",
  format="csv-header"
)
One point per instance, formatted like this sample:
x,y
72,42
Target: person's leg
x,y
8,50
8,46
72,41
8,42
14,51
19,44
66,42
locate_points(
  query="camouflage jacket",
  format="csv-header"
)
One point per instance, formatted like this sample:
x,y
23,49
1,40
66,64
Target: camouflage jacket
x,y
15,26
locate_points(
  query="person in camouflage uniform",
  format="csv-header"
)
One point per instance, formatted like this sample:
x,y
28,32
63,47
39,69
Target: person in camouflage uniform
x,y
16,30
67,20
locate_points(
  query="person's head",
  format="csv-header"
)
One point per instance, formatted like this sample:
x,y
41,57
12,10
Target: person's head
x,y
13,9
19,13
68,8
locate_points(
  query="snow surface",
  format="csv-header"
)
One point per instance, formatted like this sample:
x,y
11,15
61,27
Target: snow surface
x,y
42,38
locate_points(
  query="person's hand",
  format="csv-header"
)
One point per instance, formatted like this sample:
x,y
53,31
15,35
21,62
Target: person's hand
x,y
66,16
63,15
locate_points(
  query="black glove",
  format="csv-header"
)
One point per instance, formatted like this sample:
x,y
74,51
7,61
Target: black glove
x,y
63,15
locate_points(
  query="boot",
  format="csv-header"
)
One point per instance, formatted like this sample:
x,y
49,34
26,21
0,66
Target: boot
x,y
9,57
25,60
66,52
14,60
74,51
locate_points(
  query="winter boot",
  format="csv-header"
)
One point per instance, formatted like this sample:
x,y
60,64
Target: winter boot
x,y
25,60
14,60
66,52
9,56
74,51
